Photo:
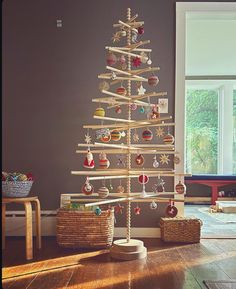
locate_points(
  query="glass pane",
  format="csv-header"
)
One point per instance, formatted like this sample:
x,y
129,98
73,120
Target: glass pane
x,y
201,131
234,130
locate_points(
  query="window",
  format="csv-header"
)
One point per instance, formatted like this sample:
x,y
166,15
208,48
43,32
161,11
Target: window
x,y
205,103
209,120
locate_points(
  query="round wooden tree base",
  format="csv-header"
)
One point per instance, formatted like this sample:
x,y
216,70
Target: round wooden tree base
x,y
132,250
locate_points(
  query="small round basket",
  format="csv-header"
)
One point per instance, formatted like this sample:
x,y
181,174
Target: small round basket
x,y
16,189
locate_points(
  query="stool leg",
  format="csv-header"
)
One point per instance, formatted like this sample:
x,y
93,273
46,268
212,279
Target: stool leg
x,y
214,194
28,230
38,224
3,225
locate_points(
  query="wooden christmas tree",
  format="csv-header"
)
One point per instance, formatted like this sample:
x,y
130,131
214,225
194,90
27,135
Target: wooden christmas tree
x,y
125,65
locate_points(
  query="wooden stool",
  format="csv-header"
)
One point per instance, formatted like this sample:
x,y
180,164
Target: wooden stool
x,y
28,222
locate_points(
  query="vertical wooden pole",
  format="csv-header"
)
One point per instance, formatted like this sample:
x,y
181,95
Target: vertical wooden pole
x,y
128,185
38,223
28,231
3,224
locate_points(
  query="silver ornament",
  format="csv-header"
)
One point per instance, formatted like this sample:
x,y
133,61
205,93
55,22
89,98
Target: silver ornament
x,y
149,62
153,205
155,163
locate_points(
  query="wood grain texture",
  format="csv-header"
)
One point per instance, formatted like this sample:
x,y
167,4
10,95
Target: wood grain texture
x,y
167,266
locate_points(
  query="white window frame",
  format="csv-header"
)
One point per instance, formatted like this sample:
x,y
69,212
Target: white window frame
x,y
182,8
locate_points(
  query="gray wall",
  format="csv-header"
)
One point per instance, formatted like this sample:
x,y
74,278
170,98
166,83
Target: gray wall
x,y
50,77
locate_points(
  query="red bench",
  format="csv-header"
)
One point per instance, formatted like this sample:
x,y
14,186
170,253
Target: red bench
x,y
212,181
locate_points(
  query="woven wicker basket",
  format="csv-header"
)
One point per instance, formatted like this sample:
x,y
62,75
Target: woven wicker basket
x,y
186,230
16,189
84,229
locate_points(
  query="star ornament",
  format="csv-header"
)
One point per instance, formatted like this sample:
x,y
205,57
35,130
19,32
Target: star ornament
x,y
116,37
136,61
159,131
164,159
87,138
141,90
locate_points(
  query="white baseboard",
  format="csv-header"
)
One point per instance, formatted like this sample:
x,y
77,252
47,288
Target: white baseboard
x,y
15,226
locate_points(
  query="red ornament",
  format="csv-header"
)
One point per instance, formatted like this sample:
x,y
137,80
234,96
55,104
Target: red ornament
x,y
87,188
143,179
30,177
111,59
89,162
168,139
153,80
121,90
139,160
140,30
118,109
180,188
106,138
118,209
137,210
136,61
171,211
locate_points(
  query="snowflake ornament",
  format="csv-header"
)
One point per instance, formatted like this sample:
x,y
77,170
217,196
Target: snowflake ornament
x,y
164,159
143,57
88,138
135,137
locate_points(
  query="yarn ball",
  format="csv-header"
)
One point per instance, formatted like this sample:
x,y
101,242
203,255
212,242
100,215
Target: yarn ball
x,y
141,110
147,135
98,211
133,106
111,59
103,192
168,139
22,177
115,135
99,112
180,188
104,164
153,80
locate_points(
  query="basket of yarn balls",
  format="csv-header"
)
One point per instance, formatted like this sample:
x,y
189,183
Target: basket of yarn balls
x,y
16,185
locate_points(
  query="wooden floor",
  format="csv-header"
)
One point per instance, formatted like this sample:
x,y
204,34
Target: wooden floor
x,y
173,266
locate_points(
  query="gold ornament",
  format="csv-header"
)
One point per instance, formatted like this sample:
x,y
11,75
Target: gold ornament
x,y
135,137
159,131
164,159
116,37
176,160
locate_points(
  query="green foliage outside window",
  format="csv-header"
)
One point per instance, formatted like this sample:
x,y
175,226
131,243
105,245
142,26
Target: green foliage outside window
x,y
201,131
